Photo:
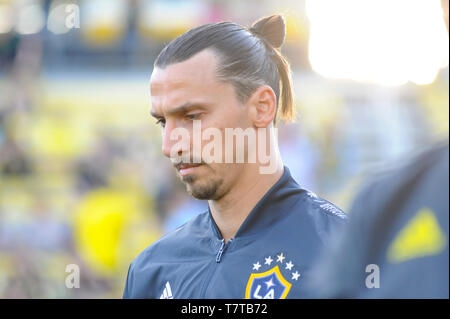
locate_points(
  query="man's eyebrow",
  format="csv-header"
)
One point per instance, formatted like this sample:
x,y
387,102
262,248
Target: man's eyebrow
x,y
184,108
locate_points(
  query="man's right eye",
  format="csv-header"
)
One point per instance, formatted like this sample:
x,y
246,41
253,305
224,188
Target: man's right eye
x,y
161,122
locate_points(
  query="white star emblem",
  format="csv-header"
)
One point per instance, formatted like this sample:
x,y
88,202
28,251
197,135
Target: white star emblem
x,y
289,265
268,260
269,283
280,258
295,275
256,266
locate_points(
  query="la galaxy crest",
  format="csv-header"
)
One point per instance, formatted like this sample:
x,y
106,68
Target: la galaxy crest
x,y
268,282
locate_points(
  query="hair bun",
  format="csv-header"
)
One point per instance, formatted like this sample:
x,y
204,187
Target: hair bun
x,y
272,29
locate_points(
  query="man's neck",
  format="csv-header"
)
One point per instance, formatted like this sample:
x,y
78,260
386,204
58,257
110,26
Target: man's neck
x,y
232,209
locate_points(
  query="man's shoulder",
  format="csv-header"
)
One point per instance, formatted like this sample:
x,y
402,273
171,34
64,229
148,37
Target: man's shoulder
x,y
323,216
318,207
182,236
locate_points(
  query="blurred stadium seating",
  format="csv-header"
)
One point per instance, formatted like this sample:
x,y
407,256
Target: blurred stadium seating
x,y
82,178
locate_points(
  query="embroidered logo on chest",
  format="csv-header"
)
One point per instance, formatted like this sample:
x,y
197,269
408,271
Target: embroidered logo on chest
x,y
268,281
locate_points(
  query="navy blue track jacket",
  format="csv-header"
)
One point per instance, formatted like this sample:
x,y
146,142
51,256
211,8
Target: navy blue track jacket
x,y
269,257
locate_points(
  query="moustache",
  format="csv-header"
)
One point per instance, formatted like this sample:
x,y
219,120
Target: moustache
x,y
179,162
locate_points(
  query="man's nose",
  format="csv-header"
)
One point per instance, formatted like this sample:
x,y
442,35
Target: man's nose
x,y
178,144
167,143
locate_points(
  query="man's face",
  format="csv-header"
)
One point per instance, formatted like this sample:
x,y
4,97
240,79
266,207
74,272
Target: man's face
x,y
188,91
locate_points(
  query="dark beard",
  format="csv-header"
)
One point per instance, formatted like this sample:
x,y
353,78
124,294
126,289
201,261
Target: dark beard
x,y
204,192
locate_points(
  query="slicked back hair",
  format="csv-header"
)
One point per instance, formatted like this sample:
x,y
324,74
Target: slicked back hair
x,y
248,57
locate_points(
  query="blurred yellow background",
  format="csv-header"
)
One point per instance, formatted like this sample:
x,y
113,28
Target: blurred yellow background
x,y
82,177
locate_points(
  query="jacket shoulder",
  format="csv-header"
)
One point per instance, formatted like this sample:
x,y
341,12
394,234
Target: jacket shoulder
x,y
325,217
321,206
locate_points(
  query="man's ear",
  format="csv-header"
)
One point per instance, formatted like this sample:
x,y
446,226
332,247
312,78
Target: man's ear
x,y
262,106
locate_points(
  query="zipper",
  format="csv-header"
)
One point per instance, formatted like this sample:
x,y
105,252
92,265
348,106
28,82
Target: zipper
x,y
223,247
220,252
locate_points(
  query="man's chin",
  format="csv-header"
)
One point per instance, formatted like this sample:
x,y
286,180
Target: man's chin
x,y
189,179
202,192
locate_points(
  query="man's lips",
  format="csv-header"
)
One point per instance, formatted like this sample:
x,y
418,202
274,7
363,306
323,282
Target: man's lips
x,y
186,169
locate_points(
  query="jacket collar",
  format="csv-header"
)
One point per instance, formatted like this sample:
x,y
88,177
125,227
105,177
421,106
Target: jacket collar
x,y
274,205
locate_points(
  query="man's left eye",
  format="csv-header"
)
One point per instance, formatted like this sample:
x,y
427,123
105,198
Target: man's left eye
x,y
193,116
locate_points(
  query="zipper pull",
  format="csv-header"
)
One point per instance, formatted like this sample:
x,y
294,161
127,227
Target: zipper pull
x,y
220,252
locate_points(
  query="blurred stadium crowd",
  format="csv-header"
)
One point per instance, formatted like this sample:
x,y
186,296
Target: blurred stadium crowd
x,y
82,177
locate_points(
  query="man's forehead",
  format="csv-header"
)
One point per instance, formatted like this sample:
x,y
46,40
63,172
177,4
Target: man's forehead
x,y
200,69
193,81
